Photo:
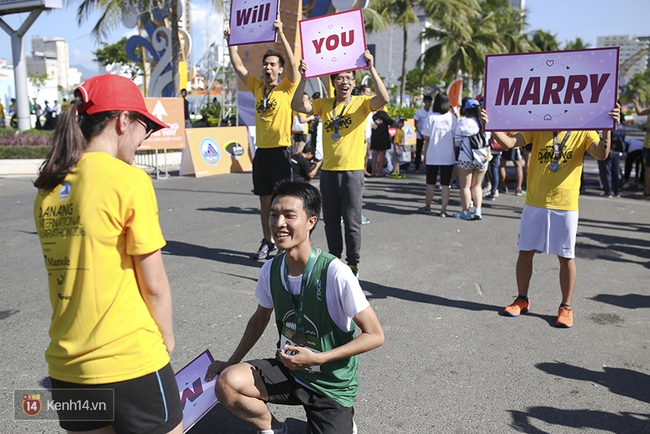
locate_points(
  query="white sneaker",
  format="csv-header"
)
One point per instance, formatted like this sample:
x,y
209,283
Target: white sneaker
x,y
354,427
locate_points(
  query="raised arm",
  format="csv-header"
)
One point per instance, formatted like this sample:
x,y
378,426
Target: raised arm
x,y
381,94
236,61
637,107
298,103
291,70
600,150
502,138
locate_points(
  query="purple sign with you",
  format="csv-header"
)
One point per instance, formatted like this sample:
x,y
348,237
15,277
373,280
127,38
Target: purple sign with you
x,y
333,43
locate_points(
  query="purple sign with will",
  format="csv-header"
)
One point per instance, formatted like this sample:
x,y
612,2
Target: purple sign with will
x,y
251,22
559,90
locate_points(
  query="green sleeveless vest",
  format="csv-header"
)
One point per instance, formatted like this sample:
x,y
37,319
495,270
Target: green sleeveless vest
x,y
337,379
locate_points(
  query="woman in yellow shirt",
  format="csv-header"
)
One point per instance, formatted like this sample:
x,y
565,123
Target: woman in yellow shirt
x,y
97,219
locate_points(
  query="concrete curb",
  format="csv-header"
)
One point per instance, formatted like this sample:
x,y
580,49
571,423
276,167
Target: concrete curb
x,y
25,168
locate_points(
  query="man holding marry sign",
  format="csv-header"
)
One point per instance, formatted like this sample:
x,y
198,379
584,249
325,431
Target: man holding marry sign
x,y
318,304
344,151
549,221
272,123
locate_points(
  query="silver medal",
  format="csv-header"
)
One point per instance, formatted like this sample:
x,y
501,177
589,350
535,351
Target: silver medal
x,y
336,137
554,167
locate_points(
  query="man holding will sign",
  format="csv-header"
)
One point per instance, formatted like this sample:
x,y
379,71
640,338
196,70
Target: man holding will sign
x,y
318,304
344,154
273,125
549,221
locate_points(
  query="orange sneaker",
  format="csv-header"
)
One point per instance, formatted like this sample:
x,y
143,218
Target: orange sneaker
x,y
520,305
564,317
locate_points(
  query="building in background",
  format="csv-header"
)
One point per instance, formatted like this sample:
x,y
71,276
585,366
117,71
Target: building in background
x,y
518,4
50,56
633,56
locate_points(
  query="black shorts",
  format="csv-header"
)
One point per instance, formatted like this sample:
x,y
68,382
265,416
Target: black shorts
x,y
300,137
270,166
511,155
324,415
149,404
445,174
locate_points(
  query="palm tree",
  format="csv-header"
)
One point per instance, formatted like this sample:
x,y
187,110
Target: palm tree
x,y
545,41
462,40
380,13
511,23
113,10
577,44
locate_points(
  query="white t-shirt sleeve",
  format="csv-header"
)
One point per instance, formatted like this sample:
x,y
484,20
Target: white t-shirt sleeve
x,y
263,288
345,297
427,126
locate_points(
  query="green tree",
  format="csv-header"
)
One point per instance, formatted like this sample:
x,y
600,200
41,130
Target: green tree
x,y
461,40
639,84
544,41
115,53
381,13
418,81
510,25
577,44
38,81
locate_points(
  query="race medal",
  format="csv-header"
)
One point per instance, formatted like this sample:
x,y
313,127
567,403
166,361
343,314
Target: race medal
x,y
300,339
336,137
554,166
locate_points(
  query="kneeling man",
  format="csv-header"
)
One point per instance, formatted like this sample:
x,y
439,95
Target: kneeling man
x,y
318,304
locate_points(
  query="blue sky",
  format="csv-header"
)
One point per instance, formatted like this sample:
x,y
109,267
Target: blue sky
x,y
567,19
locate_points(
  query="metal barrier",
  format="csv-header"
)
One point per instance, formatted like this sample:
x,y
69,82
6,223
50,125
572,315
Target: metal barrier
x,y
149,159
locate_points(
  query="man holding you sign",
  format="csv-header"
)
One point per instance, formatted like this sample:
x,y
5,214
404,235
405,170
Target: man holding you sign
x,y
344,154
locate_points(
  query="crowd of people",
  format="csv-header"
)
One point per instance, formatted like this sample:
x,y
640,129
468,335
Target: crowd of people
x,y
112,239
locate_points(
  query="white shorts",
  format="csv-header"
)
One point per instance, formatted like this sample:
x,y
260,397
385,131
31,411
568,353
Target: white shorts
x,y
548,231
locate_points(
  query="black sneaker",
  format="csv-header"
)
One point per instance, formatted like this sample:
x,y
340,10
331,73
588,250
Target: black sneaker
x,y
355,270
266,247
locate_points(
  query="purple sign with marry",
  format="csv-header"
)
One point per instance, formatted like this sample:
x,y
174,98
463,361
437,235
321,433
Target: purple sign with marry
x,y
197,396
558,90
333,43
251,21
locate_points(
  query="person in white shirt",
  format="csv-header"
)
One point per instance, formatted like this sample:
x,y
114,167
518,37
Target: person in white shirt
x,y
420,118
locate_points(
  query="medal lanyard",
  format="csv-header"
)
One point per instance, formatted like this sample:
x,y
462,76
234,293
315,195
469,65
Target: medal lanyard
x,y
306,276
558,149
266,99
337,121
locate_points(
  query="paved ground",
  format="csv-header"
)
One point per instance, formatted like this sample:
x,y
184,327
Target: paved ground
x,y
450,363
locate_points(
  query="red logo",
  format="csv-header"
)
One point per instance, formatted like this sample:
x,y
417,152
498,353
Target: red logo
x,y
32,404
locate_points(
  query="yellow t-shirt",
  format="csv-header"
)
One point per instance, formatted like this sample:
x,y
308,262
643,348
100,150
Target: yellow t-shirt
x,y
349,152
273,130
559,190
90,226
398,138
646,139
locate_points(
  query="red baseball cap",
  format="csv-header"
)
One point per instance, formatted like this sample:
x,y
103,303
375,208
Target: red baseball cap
x,y
108,92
